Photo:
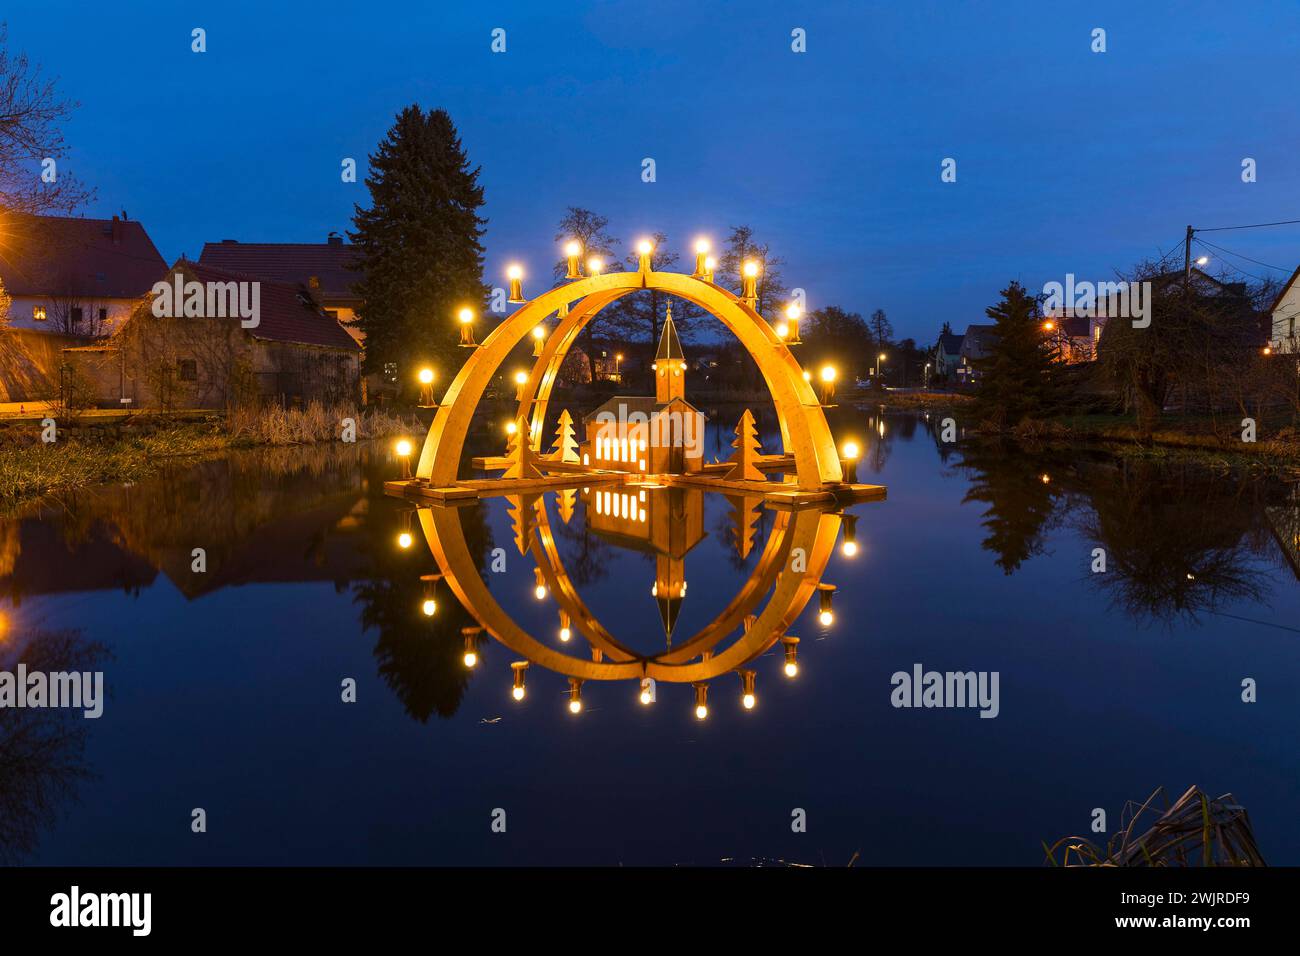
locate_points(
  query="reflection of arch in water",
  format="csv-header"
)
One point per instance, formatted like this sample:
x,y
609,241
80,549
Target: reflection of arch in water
x,y
813,531
775,555
803,425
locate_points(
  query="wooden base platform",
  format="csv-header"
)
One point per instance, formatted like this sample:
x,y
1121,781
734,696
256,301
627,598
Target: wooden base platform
x,y
776,494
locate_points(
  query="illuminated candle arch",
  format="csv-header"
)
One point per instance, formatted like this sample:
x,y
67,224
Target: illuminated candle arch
x,y
804,430
814,530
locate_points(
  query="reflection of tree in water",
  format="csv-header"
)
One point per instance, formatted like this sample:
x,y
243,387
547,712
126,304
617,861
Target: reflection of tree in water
x,y
1021,504
420,658
1178,540
42,750
742,525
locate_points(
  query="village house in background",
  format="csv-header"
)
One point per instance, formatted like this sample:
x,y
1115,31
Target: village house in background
x,y
297,353
947,356
976,344
71,281
1283,339
324,268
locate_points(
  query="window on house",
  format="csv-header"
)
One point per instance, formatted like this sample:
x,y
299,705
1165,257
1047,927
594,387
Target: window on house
x,y
333,314
189,370
390,372
38,313
103,315
76,315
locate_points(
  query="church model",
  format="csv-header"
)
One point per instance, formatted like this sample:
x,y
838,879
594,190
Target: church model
x,y
649,435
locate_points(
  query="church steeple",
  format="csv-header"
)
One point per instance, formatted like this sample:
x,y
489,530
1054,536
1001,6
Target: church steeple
x,y
670,364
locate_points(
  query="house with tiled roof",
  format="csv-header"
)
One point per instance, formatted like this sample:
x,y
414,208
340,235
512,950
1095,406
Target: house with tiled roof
x,y
75,277
947,354
976,344
325,268
209,338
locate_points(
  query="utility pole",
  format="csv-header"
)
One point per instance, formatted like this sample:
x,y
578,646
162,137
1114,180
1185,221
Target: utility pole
x,y
1187,254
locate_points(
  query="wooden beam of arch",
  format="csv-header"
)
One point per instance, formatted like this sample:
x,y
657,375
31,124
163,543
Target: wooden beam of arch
x,y
803,426
813,530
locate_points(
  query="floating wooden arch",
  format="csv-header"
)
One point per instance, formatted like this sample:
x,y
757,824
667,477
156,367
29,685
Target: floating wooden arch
x,y
803,425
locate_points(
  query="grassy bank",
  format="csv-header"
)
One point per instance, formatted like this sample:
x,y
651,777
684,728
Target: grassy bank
x,y
129,450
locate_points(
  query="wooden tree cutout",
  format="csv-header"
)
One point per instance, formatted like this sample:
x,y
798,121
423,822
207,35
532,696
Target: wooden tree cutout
x,y
519,450
566,443
746,456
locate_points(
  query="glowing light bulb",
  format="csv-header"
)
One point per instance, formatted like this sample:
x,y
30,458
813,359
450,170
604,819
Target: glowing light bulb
x,y
429,607
850,450
701,712
850,548
749,700
645,697
644,247
828,373
539,592
511,428
751,268
575,706
521,378
594,265
514,272
710,263
791,669
539,332
827,618
404,540
518,693
565,634
403,448
426,376
782,330
793,311
466,315
573,248
702,245
470,658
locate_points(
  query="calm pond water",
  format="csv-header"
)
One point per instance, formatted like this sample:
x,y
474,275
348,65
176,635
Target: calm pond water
x,y
224,686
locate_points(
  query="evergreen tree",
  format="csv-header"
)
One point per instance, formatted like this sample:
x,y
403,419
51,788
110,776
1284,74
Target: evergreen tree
x,y
418,245
1018,377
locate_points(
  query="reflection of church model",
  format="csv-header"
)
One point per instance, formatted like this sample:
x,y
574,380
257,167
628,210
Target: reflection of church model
x,y
666,522
644,434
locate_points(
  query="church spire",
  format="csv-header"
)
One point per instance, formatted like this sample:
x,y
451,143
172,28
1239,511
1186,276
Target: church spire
x,y
670,364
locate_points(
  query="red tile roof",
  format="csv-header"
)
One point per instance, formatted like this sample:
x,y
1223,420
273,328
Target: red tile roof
x,y
287,313
293,262
87,258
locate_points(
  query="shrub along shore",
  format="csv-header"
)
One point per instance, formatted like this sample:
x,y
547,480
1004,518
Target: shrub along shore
x,y
89,452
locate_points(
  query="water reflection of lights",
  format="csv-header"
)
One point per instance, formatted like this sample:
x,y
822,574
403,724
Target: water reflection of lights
x,y
786,575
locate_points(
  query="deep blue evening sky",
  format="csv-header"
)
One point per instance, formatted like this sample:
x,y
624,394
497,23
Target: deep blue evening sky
x,y
1068,161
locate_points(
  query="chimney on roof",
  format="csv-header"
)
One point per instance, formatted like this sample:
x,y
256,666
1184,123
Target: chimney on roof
x,y
117,231
334,239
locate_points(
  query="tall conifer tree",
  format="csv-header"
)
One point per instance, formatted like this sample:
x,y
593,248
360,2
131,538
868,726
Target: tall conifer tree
x,y
419,245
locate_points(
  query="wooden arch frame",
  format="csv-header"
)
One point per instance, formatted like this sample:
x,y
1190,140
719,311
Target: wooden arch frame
x,y
804,429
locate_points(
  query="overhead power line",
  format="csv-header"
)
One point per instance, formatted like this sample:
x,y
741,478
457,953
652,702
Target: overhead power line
x,y
1258,225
